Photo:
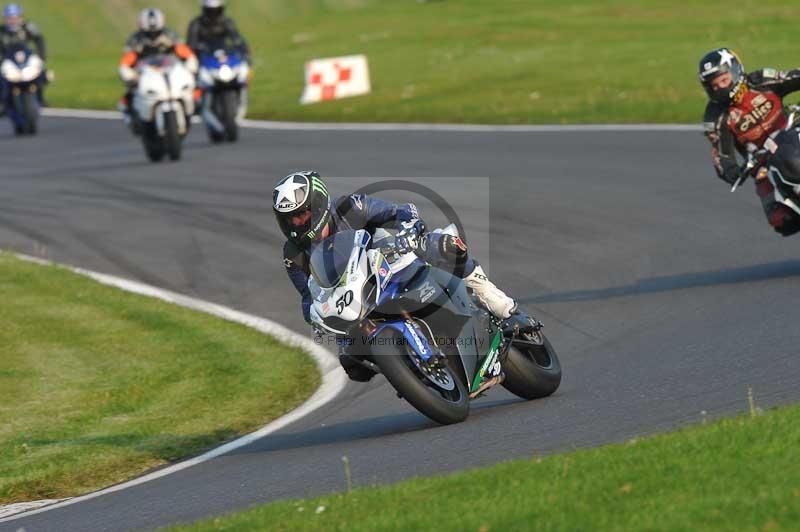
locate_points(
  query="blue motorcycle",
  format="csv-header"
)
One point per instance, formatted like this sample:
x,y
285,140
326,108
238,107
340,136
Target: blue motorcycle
x,y
223,78
421,328
22,74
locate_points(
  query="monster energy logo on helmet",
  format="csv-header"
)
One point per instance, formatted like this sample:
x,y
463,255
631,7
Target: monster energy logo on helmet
x,y
318,185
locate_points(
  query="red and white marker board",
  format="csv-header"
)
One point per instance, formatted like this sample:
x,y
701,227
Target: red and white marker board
x,y
336,77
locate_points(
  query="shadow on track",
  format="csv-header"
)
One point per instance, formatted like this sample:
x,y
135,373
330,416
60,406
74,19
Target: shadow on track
x,y
652,285
374,427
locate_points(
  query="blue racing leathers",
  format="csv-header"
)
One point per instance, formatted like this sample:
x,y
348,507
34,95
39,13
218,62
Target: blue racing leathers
x,y
359,211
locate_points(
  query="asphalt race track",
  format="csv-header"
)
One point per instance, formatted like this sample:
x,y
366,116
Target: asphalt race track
x,y
664,294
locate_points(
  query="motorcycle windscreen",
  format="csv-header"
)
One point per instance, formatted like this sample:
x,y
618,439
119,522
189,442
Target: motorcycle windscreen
x,y
330,257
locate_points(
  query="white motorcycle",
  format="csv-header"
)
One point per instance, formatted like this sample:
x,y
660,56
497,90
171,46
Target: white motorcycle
x,y
23,71
163,104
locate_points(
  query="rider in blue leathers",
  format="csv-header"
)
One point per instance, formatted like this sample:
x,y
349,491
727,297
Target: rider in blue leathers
x,y
306,214
14,31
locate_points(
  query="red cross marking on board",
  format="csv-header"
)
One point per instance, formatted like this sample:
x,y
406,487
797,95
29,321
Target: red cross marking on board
x,y
345,74
328,92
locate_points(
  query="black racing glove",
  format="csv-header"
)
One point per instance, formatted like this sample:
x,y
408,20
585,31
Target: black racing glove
x,y
731,172
756,77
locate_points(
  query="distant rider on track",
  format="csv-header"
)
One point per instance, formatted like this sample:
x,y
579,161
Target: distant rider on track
x,y
152,38
743,112
307,214
212,30
16,31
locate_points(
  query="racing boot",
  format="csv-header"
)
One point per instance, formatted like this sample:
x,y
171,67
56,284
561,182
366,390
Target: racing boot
x,y
491,297
123,106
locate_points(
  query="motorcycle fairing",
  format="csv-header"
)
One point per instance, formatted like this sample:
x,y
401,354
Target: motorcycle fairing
x,y
490,363
411,333
165,85
348,295
447,308
223,67
22,70
408,293
22,66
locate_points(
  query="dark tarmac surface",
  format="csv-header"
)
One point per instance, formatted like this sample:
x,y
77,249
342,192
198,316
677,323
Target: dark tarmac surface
x,y
664,294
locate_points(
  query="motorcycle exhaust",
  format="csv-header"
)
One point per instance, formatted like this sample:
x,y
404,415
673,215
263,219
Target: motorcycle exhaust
x,y
491,383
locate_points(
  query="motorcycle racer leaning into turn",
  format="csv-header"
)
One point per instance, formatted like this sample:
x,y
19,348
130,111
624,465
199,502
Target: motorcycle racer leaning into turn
x,y
745,113
16,31
152,38
307,214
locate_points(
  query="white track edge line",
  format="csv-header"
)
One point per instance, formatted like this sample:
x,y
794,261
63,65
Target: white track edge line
x,y
462,128
333,379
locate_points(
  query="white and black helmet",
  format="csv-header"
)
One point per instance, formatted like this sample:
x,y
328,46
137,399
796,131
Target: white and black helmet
x,y
213,8
151,20
302,206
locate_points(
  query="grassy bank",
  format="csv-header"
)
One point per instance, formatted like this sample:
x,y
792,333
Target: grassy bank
x,y
98,385
738,474
452,61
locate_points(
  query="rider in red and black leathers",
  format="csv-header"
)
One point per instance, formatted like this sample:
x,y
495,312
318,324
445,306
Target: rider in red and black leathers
x,y
739,118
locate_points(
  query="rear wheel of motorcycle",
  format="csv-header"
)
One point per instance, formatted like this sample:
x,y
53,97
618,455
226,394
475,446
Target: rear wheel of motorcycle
x,y
171,136
532,371
230,107
392,354
153,144
30,113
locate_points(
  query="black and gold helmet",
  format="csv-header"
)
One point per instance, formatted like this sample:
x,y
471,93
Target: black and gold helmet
x,y
718,62
302,206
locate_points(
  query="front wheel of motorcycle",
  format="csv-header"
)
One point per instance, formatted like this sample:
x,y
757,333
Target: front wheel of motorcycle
x,y
30,111
532,368
153,144
171,136
230,106
445,401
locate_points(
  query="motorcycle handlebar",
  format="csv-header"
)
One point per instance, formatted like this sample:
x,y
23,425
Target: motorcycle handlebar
x,y
755,161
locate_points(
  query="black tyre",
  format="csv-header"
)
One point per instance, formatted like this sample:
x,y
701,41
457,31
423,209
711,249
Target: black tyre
x,y
443,405
230,107
30,112
153,144
532,370
172,137
214,136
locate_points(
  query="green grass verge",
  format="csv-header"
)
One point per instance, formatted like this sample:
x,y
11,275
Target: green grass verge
x,y
452,61
738,474
98,385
